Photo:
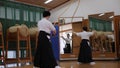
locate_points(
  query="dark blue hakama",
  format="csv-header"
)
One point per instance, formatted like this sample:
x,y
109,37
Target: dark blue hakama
x,y
85,52
44,57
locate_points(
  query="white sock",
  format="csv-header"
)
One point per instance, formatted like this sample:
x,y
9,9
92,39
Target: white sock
x,y
35,67
92,63
57,67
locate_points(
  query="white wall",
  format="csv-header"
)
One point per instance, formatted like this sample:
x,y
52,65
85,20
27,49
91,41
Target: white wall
x,y
86,8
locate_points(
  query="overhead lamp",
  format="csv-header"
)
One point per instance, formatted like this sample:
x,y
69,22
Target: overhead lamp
x,y
111,16
48,1
101,14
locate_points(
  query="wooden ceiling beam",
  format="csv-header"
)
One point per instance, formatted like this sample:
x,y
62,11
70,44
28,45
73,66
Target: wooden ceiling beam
x,y
60,4
49,6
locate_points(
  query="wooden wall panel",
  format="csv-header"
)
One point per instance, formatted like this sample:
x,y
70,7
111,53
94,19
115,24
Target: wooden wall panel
x,y
76,27
85,23
117,34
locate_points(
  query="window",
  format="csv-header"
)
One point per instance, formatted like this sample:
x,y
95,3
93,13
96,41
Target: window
x,y
25,14
2,12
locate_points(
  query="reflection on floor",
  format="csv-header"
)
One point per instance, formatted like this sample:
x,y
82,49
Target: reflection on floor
x,y
73,64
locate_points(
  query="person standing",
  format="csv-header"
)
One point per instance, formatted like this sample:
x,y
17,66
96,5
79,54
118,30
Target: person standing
x,y
85,51
44,57
113,41
67,48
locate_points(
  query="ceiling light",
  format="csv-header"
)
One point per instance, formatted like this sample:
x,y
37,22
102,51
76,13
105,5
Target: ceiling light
x,y
101,14
48,1
111,16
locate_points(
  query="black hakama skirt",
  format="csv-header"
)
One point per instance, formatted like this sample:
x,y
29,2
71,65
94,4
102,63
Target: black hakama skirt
x,y
85,52
44,57
67,48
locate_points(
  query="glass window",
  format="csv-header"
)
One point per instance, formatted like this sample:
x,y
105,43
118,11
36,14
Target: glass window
x,y
2,12
25,14
37,16
31,16
17,14
9,13
41,15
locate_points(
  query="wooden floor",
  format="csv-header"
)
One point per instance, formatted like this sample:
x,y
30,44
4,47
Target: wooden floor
x,y
73,64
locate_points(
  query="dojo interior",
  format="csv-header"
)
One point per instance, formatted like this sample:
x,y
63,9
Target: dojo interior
x,y
19,32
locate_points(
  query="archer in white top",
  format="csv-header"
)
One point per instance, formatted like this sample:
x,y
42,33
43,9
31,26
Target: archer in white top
x,y
45,25
111,36
68,39
44,56
85,34
85,53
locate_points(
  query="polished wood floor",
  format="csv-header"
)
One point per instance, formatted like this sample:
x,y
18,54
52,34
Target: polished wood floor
x,y
73,64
